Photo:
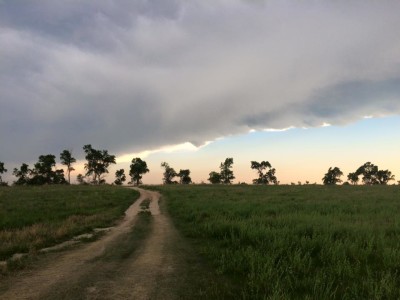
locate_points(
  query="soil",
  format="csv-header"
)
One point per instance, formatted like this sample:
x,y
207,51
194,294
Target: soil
x,y
153,272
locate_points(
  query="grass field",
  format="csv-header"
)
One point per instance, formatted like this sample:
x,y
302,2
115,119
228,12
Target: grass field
x,y
35,217
297,242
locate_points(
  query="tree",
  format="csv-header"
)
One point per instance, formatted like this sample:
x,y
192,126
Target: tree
x,y
2,171
264,178
169,173
184,176
226,172
120,177
22,174
97,164
138,167
67,160
215,177
43,172
333,176
81,179
384,176
353,178
369,172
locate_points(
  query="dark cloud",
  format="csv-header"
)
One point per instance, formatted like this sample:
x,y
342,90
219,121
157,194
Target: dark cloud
x,y
138,75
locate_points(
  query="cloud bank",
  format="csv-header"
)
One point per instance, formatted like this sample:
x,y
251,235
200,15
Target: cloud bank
x,y
130,76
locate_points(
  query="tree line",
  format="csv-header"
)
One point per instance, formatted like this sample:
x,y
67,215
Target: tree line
x,y
98,162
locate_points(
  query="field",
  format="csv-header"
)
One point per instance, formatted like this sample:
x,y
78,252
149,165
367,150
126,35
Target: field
x,y
35,217
295,242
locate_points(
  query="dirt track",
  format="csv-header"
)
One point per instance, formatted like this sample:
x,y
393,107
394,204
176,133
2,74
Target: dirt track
x,y
151,273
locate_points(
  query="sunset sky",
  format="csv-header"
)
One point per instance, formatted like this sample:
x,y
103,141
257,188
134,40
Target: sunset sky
x,y
306,85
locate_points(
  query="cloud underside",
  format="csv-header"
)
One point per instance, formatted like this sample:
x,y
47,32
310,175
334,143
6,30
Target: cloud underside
x,y
138,75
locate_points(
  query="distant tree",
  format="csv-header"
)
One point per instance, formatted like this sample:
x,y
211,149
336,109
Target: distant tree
x,y
97,164
120,177
215,177
22,174
80,179
384,176
372,175
353,178
184,177
268,176
138,167
2,171
226,172
333,176
67,160
369,172
44,171
169,173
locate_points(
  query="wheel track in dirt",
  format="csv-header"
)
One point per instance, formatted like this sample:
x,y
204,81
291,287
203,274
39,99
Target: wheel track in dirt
x,y
152,273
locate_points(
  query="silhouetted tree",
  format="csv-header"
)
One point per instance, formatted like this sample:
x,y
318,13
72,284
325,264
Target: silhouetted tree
x,y
226,172
215,177
333,176
138,167
67,160
353,178
120,177
384,176
369,172
2,171
264,178
97,164
22,174
44,173
81,179
184,177
169,173
372,174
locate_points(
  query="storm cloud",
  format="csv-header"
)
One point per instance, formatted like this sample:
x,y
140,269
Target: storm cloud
x,y
129,76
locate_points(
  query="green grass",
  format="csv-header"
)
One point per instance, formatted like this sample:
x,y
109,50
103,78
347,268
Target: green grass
x,y
35,217
295,242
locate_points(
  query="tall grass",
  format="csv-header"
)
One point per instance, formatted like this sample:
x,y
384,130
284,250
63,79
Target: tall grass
x,y
304,242
35,217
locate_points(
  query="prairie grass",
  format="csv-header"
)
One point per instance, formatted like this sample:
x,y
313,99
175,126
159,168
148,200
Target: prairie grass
x,y
35,217
295,242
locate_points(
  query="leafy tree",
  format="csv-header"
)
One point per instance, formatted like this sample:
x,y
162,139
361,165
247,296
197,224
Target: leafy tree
x,y
43,172
184,176
333,176
67,160
353,178
81,179
369,172
384,176
226,172
120,177
268,176
169,173
215,177
138,167
22,174
97,164
2,171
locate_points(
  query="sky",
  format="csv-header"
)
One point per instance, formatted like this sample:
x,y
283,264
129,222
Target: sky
x,y
194,82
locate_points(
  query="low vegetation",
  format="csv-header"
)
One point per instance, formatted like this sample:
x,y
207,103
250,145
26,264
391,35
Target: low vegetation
x,y
35,217
295,242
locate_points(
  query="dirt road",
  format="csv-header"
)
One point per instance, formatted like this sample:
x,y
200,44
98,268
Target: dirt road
x,y
152,271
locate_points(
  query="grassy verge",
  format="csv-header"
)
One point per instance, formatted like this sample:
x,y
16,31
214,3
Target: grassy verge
x,y
285,242
35,217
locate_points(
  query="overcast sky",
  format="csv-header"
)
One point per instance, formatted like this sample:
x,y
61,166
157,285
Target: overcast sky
x,y
130,76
